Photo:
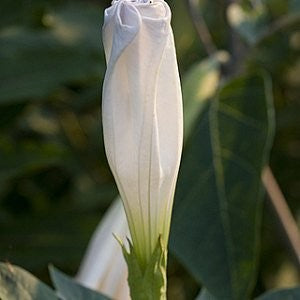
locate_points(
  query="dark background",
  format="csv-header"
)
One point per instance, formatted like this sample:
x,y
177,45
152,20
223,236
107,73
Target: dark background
x,y
55,183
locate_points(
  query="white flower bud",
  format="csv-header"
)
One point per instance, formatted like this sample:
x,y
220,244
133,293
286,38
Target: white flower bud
x,y
142,116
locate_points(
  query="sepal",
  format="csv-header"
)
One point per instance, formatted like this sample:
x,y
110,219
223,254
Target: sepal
x,y
147,282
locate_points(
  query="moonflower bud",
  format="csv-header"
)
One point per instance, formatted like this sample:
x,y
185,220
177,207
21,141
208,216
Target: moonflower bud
x,y
142,116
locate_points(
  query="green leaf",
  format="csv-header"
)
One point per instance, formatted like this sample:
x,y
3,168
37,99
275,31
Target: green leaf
x,y
218,202
16,283
286,294
68,289
149,283
200,84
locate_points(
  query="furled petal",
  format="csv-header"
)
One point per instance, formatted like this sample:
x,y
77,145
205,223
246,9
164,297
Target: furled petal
x,y
103,267
142,115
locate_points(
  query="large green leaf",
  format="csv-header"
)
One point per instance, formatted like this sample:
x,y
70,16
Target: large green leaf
x,y
284,294
218,202
68,289
16,283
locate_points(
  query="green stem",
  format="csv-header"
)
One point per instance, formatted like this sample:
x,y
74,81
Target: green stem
x,y
147,282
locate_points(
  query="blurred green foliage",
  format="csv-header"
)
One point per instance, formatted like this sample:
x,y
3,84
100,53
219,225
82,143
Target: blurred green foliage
x,y
17,283
55,183
54,180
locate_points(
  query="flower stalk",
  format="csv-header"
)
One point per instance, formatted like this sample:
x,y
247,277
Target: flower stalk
x,y
149,283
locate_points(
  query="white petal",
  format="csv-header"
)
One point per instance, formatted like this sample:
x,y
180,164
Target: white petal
x,y
142,115
103,267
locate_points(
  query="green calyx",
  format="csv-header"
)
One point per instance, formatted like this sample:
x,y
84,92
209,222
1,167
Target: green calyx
x,y
149,282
